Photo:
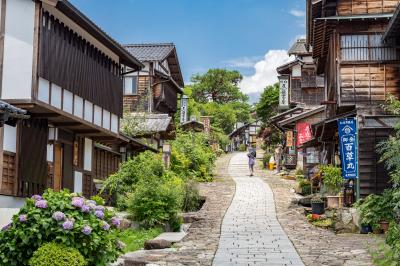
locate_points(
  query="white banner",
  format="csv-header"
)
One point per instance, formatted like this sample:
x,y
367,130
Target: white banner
x,y
184,109
283,92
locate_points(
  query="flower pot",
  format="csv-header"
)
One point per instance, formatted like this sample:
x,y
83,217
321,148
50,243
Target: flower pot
x,y
365,229
384,225
318,208
333,202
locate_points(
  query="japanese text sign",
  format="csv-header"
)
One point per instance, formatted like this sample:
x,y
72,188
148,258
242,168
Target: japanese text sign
x,y
283,92
348,147
303,133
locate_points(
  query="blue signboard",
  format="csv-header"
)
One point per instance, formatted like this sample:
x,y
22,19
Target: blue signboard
x,y
348,147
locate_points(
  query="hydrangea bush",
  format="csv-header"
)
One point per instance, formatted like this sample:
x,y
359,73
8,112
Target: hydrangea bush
x,y
63,218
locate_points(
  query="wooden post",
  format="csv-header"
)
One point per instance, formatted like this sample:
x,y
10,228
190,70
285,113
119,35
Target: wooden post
x,y
57,167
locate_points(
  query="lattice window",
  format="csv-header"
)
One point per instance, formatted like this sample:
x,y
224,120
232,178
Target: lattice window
x,y
8,180
366,47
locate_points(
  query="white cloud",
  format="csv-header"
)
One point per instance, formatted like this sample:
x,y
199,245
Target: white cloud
x,y
243,62
265,72
297,13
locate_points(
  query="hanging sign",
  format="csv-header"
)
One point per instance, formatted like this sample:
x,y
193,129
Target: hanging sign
x,y
283,92
289,139
303,133
348,147
184,109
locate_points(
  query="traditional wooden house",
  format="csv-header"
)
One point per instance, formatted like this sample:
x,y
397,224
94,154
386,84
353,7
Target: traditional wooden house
x,y
68,74
154,90
244,134
353,47
305,90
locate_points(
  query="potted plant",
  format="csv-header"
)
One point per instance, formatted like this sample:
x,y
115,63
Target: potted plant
x,y
317,205
333,182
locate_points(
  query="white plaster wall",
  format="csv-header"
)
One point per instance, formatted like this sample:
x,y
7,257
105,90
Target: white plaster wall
x,y
68,101
10,138
87,157
78,182
78,106
106,119
296,71
56,92
44,88
114,123
97,115
18,49
88,111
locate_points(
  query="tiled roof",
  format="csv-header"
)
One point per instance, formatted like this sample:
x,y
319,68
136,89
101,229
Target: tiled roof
x,y
299,48
150,51
152,123
6,107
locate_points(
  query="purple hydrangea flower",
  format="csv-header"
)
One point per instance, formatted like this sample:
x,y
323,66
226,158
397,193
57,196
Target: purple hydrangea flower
x,y
68,225
120,244
42,204
91,206
115,221
77,202
91,202
99,214
85,208
23,218
105,226
99,208
86,230
36,197
58,216
5,228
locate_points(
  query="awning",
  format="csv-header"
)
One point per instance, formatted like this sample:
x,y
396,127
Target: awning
x,y
193,126
393,28
383,121
147,124
302,115
10,114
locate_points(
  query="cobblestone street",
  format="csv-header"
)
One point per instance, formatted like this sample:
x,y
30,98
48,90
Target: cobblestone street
x,y
251,234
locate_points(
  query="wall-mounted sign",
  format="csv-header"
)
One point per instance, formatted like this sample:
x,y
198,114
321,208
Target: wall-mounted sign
x,y
184,109
206,122
283,92
303,133
289,139
76,153
348,147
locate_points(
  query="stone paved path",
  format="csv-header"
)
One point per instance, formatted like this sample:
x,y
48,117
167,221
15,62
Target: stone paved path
x,y
250,232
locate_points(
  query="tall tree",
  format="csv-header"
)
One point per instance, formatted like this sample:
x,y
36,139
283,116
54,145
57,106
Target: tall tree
x,y
218,85
269,102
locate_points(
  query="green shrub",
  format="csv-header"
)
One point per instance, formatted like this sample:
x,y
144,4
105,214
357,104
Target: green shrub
x,y
156,201
63,218
98,199
332,178
242,147
56,255
135,238
191,199
266,158
192,157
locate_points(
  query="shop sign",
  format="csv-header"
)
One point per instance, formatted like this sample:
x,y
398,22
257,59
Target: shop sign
x,y
348,147
289,139
303,133
284,92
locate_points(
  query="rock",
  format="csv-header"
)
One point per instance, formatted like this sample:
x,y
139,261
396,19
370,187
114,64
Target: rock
x,y
356,216
135,263
189,218
125,223
346,217
157,244
306,201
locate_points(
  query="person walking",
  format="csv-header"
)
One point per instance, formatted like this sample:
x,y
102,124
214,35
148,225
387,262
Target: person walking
x,y
252,160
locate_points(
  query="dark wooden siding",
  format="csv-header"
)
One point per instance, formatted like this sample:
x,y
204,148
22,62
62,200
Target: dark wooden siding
x,y
167,101
32,162
105,163
373,176
69,61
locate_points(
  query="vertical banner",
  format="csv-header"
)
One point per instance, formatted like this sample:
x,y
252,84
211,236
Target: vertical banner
x,y
284,92
184,108
348,147
289,139
303,133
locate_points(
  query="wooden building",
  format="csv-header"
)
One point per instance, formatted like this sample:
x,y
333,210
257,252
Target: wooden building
x,y
155,89
305,92
68,74
244,134
354,45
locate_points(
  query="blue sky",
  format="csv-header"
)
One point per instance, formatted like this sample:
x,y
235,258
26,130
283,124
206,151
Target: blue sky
x,y
233,34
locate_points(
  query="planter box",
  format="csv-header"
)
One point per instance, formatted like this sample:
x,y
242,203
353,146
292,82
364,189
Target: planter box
x,y
334,202
318,208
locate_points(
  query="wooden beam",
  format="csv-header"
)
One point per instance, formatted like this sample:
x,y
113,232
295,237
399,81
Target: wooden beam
x,y
45,115
66,124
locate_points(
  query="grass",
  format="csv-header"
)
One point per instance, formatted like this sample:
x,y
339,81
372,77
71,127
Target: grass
x,y
134,238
